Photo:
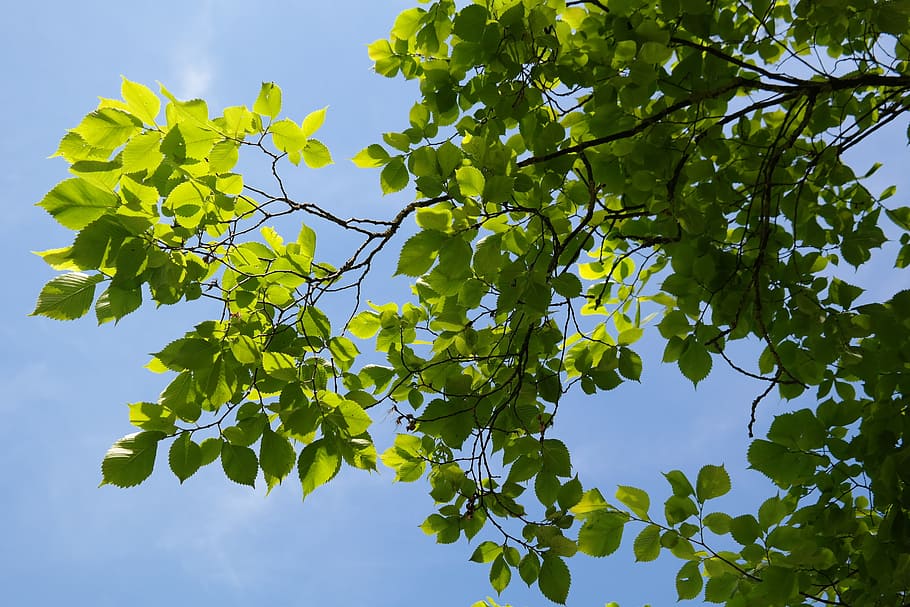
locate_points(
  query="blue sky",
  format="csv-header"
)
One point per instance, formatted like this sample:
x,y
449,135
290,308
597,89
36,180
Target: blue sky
x,y
357,540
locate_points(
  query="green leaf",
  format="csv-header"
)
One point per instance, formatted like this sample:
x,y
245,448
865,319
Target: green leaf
x,y
316,155
399,141
182,397
142,154
500,574
239,464
318,463
131,459
268,103
678,509
546,488
570,494
288,137
469,23
567,284
188,203
780,584
713,481
798,430
629,364
276,456
142,102
554,578
115,303
434,218
184,457
190,352
313,122
470,180
229,183
689,581
449,157
108,128
647,545
419,252
718,522
745,529
601,533
75,203
343,349
680,484
356,420
406,457
394,176
365,325
67,297
900,216
529,568
636,499
555,457
771,512
315,323
246,350
695,361
372,156
591,501
720,589
210,449
780,464
224,156
486,552
279,365
152,416
674,324
407,23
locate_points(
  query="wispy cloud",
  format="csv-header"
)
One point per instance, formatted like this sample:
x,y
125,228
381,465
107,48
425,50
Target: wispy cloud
x,y
193,55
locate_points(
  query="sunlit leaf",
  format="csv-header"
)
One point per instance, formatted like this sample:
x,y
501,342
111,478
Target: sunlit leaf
x,y
67,297
268,103
131,459
75,203
318,463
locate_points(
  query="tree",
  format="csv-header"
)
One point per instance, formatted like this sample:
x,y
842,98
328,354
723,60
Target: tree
x,y
562,154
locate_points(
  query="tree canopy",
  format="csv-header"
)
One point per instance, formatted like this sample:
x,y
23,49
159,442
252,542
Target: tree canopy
x,y
583,172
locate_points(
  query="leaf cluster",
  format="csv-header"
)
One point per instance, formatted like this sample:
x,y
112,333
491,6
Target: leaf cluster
x,y
583,172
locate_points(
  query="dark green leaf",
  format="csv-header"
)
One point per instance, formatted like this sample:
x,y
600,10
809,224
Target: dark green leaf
x,y
276,455
394,176
680,484
689,581
554,579
184,457
695,362
745,529
569,494
555,457
239,464
529,568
